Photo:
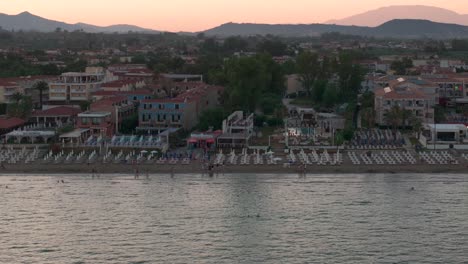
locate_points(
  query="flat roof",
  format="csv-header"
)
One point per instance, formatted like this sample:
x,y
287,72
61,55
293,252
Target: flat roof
x,y
32,133
94,114
181,76
439,127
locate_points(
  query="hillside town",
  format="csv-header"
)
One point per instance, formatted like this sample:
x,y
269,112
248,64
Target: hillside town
x,y
333,101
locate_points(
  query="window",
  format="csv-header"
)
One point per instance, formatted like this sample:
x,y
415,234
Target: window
x,y
161,106
96,121
176,106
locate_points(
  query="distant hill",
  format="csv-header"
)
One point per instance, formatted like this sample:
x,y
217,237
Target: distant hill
x,y
414,28
287,30
379,16
28,22
398,28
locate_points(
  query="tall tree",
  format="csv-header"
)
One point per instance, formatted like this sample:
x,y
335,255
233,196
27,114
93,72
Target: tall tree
x,y
394,117
251,78
41,86
21,108
308,68
350,77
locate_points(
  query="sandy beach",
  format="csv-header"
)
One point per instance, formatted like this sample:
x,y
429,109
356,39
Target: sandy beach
x,y
196,167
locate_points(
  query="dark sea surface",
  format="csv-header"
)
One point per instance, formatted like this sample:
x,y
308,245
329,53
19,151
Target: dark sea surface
x,y
236,218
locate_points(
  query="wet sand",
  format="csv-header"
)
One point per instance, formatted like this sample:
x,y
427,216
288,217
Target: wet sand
x,y
196,167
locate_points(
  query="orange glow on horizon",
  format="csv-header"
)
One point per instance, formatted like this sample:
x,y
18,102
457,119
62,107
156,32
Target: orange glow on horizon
x,y
198,15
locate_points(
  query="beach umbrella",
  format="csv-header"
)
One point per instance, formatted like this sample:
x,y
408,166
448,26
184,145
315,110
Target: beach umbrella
x,y
144,151
277,159
154,152
270,152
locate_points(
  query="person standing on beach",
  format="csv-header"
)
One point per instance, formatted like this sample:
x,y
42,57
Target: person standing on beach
x,y
137,174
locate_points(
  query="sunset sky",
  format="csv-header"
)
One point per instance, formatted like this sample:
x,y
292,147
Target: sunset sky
x,y
197,15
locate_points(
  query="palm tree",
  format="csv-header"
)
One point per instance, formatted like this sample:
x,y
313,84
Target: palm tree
x,y
41,86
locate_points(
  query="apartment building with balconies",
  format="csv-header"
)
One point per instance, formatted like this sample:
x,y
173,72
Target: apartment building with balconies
x,y
75,87
405,95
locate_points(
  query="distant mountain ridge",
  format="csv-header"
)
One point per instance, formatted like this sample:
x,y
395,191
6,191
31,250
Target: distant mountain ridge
x,y
382,15
398,28
28,22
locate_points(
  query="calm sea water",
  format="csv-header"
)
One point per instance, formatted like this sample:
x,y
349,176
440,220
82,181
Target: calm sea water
x,y
234,219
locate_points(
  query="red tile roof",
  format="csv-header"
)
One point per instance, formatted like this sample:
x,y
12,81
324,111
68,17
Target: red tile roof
x,y
117,93
195,94
111,100
10,123
15,80
408,93
58,111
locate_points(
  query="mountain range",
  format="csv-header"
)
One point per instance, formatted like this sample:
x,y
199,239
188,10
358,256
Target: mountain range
x,y
369,25
379,16
28,22
398,28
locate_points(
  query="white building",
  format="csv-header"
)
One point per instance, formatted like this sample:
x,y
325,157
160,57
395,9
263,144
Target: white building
x,y
237,130
406,95
77,86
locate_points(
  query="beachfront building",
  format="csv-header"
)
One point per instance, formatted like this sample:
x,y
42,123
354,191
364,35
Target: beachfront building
x,y
30,136
237,131
55,116
183,111
76,86
8,124
445,133
119,107
205,140
98,123
405,95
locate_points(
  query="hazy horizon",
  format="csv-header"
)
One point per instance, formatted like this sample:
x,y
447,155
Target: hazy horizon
x,y
188,15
